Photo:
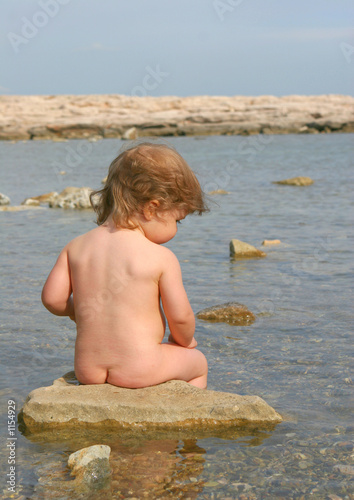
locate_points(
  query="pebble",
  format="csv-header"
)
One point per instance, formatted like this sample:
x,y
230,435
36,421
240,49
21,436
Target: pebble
x,y
345,469
304,465
211,484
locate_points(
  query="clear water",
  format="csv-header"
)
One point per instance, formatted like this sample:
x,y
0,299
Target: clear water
x,y
297,355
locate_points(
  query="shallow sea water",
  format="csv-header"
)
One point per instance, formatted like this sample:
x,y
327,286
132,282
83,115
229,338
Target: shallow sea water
x,y
298,355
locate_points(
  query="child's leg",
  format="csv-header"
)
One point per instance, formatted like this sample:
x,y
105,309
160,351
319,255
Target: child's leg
x,y
166,362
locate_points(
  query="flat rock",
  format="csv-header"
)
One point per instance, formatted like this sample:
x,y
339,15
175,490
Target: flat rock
x,y
231,312
19,208
172,405
296,181
241,249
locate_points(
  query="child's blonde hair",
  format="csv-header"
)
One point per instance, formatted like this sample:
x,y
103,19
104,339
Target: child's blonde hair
x,y
143,173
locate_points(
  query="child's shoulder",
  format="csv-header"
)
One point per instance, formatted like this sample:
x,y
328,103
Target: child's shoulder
x,y
92,234
165,255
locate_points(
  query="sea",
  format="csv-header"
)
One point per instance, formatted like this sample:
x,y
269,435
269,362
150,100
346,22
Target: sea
x,y
297,355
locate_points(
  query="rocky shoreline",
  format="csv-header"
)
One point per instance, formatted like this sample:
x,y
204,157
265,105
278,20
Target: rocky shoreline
x,y
118,116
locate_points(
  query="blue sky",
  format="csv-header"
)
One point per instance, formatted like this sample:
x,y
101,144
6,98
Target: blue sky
x,y
177,47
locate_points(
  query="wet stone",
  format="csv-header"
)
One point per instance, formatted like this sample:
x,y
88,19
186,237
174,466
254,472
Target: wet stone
x,y
172,405
296,181
72,197
345,469
4,200
304,465
241,249
230,312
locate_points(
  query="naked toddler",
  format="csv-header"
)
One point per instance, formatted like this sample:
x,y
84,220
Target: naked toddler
x,y
112,280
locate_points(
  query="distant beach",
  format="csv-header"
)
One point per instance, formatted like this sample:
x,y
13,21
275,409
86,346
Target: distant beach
x,y
59,117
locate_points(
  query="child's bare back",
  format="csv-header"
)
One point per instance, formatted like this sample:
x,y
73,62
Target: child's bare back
x,y
112,281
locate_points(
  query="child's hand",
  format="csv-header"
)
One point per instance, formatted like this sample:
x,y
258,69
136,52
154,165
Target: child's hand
x,y
192,345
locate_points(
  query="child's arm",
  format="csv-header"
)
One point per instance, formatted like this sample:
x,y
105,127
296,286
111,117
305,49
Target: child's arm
x,y
193,344
178,311
56,293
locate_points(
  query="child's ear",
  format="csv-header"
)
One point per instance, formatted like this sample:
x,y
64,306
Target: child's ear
x,y
149,209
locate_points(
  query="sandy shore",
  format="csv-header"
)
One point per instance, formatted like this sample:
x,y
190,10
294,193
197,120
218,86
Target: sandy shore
x,y
100,116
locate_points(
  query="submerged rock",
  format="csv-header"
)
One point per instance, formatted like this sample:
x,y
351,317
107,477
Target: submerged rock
x,y
72,197
241,249
172,405
90,466
219,191
231,312
296,181
19,208
4,200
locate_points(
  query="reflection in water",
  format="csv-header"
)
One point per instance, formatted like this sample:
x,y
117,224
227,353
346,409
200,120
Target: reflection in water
x,y
145,469
157,468
154,466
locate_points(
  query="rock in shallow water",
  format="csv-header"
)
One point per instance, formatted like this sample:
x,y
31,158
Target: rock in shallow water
x,y
219,191
72,197
4,200
296,181
268,243
241,249
231,312
84,456
31,202
174,404
90,466
19,208
43,198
